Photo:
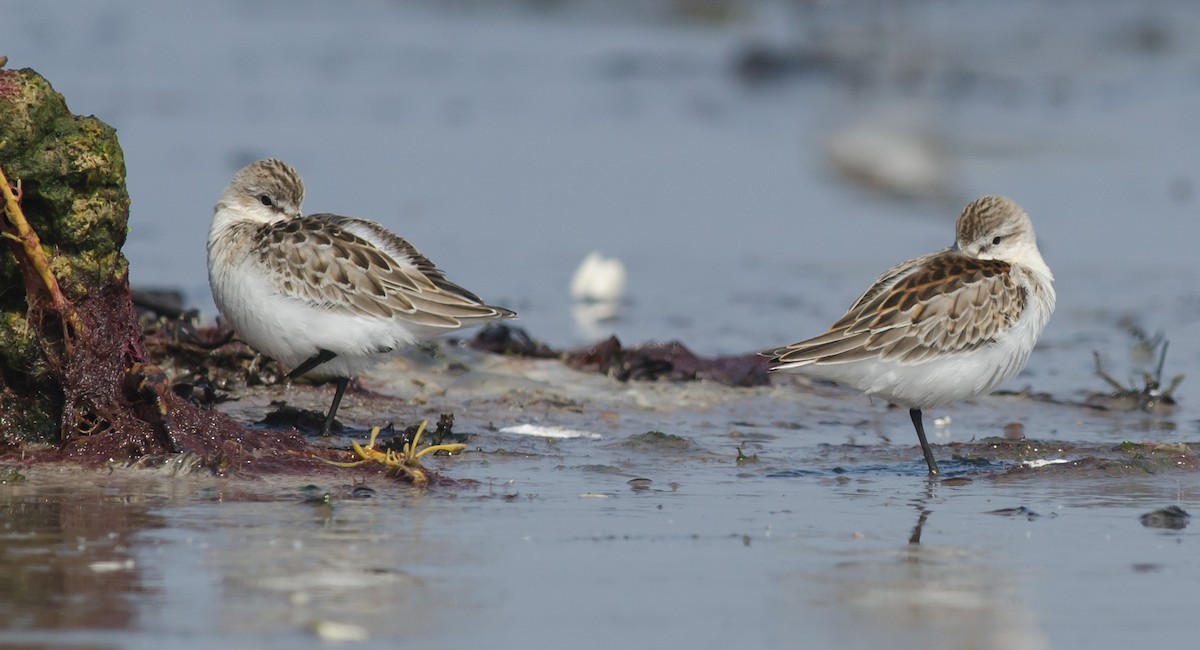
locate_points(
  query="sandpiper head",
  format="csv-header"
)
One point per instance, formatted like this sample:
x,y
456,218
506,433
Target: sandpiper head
x,y
996,228
264,191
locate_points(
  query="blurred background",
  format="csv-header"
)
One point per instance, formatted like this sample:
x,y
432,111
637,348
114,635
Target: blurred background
x,y
752,164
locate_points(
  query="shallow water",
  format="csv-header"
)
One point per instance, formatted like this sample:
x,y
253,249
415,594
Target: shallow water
x,y
508,141
829,534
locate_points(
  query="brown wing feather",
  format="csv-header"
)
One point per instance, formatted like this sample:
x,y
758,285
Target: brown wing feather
x,y
319,260
885,282
947,303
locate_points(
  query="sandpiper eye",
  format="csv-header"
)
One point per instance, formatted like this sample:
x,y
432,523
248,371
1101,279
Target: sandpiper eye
x,y
266,200
996,241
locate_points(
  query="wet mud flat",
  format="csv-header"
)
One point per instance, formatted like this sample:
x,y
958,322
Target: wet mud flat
x,y
591,511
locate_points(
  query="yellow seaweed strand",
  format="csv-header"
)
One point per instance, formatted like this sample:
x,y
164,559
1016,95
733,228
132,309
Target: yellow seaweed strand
x,y
399,461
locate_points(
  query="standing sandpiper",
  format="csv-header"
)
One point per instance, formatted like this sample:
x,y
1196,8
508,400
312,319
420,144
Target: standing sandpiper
x,y
943,327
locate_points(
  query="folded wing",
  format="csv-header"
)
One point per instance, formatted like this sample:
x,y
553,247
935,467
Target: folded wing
x,y
358,267
943,303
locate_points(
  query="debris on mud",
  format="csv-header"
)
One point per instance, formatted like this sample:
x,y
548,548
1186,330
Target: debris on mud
x,y
656,442
650,362
742,459
502,338
1150,397
205,361
308,420
667,361
1019,511
441,433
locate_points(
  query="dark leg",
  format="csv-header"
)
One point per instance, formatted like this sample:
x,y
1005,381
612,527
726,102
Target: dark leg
x,y
315,360
342,382
915,414
312,362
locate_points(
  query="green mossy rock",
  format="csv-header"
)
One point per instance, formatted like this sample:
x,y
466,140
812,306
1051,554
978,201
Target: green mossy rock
x,y
72,175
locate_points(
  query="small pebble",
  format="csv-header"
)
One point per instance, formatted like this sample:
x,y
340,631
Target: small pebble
x,y
1170,517
314,494
111,566
1014,431
639,484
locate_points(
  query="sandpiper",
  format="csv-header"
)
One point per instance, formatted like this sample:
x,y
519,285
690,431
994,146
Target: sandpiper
x,y
323,290
942,327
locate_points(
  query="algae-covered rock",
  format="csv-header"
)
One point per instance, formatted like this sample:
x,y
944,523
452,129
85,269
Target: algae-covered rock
x,y
72,175
73,367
